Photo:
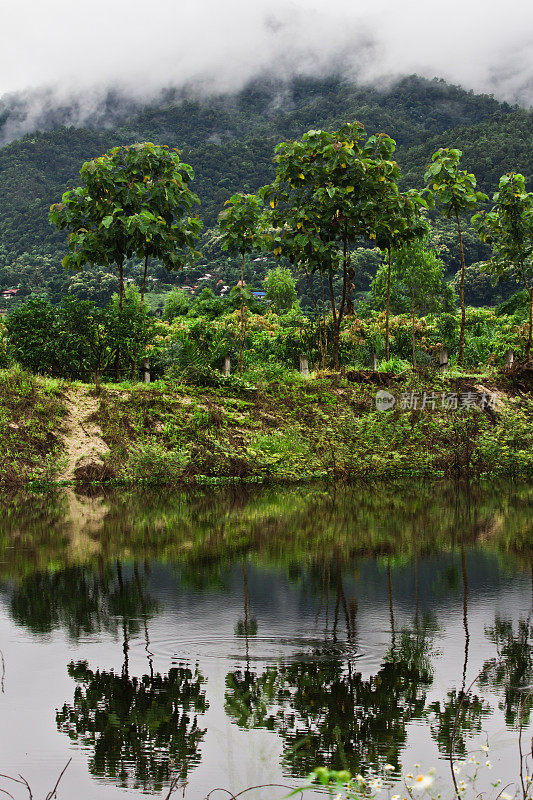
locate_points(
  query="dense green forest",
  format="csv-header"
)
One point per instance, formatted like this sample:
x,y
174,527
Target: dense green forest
x,y
229,142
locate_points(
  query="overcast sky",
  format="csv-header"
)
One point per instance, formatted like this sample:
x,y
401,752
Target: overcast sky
x,y
86,46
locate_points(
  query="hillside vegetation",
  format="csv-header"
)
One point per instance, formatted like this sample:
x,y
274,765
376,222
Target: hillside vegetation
x,y
229,141
298,430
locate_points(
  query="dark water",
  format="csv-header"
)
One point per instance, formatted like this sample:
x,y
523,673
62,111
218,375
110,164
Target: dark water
x,y
234,639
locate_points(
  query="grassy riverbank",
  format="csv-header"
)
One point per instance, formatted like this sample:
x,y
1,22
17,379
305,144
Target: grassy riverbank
x,y
297,430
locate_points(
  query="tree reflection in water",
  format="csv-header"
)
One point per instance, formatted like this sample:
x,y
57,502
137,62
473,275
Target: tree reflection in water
x,y
140,730
323,708
511,674
83,600
461,713
321,704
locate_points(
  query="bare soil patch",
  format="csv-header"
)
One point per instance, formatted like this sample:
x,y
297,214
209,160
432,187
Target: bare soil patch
x,y
82,437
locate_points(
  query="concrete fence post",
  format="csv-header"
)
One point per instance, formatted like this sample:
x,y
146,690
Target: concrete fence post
x,y
304,366
443,360
509,357
226,369
145,367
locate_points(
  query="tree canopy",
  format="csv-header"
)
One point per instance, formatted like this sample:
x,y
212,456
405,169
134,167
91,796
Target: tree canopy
x,y
133,200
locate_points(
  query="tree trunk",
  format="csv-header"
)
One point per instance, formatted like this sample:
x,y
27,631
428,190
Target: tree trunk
x,y
144,279
391,609
117,363
336,324
461,294
317,314
337,317
530,335
350,311
413,328
136,359
465,615
325,352
387,312
120,303
241,352
120,285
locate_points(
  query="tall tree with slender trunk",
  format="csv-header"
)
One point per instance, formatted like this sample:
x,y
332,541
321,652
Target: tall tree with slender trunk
x,y
398,221
421,272
324,198
508,227
455,190
242,230
133,201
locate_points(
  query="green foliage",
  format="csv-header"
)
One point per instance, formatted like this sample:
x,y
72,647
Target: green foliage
x,y
331,189
489,336
455,191
230,142
77,339
326,189
240,224
395,365
177,304
508,447
415,279
206,305
32,336
478,287
133,200
416,276
453,188
508,228
30,416
516,305
448,330
153,462
280,289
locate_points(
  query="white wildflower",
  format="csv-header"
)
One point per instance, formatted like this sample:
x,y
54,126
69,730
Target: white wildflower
x,y
423,782
488,764
505,796
389,767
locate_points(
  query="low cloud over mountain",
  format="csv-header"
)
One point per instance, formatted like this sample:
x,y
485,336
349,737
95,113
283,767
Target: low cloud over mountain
x,y
91,60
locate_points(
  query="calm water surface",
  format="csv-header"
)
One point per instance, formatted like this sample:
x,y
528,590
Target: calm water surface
x,y
238,638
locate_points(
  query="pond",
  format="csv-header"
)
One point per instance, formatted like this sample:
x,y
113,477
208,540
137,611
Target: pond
x,y
239,637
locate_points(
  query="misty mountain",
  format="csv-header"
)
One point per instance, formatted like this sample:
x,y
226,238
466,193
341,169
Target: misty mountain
x,y
229,140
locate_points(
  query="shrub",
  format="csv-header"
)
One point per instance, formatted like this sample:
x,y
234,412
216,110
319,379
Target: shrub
x,y
149,460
